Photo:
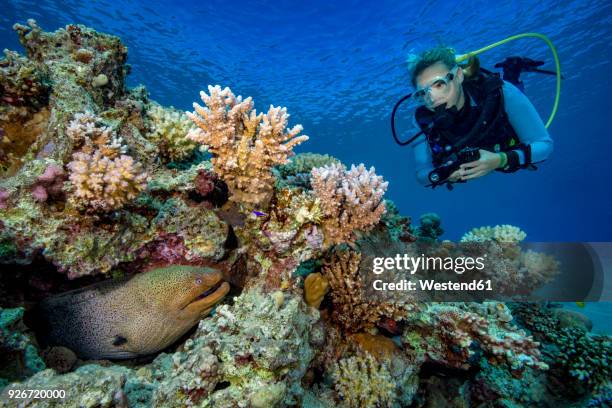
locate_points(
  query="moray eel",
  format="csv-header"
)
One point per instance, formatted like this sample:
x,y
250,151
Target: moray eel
x,y
140,316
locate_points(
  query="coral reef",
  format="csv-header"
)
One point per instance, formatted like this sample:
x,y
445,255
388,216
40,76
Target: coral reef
x,y
500,233
446,334
398,226
579,360
245,145
87,190
350,200
97,180
260,347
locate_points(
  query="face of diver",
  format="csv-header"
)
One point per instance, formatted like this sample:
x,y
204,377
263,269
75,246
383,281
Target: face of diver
x,y
454,94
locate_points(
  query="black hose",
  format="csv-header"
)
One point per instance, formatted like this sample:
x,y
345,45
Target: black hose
x,y
399,142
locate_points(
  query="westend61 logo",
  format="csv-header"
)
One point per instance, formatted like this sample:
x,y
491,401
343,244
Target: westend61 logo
x,y
412,264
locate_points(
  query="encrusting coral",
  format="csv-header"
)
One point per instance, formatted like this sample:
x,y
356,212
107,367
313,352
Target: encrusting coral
x,y
351,200
245,145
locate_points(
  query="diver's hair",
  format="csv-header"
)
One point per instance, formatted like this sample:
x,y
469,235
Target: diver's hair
x,y
419,63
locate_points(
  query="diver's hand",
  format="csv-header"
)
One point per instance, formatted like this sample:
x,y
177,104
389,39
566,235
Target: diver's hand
x,y
453,178
488,162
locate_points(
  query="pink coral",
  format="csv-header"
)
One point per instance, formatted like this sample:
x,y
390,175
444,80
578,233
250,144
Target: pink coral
x,y
351,200
49,184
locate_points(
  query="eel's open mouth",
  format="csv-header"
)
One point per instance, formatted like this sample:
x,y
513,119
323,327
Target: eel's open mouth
x,y
211,290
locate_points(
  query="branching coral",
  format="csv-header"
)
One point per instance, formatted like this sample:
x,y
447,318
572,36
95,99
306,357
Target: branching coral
x,y
584,356
362,382
499,233
103,178
168,130
352,310
351,200
245,144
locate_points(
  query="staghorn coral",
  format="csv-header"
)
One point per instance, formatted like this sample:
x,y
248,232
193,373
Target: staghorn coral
x,y
361,382
499,233
168,129
103,178
351,309
245,145
351,200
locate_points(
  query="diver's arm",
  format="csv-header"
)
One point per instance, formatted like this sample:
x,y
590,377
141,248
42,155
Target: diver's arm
x,y
527,124
423,160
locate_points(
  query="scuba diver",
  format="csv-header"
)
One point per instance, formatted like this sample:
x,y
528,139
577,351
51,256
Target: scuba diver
x,y
473,121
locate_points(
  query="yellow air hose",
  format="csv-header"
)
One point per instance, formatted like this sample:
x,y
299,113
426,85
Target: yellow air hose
x,y
461,58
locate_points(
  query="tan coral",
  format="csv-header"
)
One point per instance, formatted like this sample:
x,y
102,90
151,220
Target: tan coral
x,y
362,382
351,309
102,177
245,145
315,288
351,200
499,233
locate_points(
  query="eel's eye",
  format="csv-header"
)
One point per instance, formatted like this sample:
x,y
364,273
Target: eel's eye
x,y
198,281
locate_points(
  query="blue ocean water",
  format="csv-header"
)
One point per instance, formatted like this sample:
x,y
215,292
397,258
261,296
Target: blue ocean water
x,y
340,66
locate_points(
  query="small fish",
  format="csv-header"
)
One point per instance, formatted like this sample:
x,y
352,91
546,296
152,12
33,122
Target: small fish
x,y
259,213
581,304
